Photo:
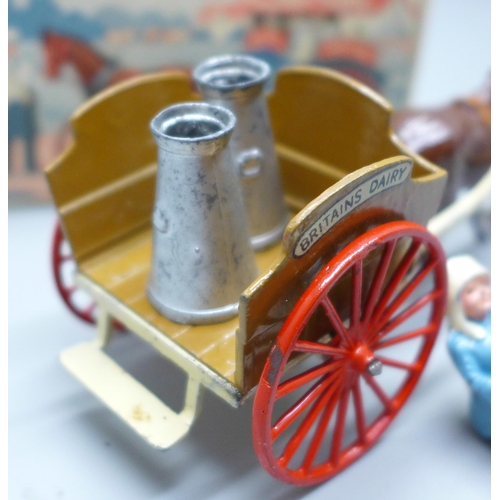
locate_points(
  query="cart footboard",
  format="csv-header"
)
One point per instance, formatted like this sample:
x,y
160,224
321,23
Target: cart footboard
x,y
144,412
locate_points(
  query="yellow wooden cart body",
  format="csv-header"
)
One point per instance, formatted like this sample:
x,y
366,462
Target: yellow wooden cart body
x,y
333,139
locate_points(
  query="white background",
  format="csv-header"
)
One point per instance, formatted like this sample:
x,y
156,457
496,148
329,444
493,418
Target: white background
x,y
64,444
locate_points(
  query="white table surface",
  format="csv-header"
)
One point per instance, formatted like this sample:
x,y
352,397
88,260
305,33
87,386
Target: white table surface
x,y
64,444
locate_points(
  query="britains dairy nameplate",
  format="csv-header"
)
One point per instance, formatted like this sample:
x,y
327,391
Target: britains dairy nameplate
x,y
382,180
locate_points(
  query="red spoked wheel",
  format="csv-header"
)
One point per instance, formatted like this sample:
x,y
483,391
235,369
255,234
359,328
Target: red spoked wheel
x,y
318,416
63,267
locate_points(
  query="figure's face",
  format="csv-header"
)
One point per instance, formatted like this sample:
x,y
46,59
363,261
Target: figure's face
x,y
476,298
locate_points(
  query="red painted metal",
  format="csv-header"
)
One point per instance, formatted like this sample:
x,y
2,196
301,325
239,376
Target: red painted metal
x,y
59,258
343,367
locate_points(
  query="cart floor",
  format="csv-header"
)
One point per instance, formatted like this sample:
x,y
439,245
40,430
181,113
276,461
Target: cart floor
x,y
122,272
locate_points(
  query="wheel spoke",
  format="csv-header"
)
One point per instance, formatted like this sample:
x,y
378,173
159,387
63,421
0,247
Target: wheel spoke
x,y
378,281
61,254
407,313
318,348
302,404
426,330
357,286
303,378
335,320
399,364
89,310
338,433
320,431
406,292
299,435
396,279
359,410
379,392
70,290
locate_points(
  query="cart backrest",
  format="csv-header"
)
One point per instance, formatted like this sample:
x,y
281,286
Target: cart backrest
x,y
103,185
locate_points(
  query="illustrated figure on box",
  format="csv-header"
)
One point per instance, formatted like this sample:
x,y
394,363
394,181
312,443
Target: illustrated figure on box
x,y
469,343
21,126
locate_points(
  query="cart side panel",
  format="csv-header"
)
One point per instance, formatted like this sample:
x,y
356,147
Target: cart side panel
x,y
103,185
304,178
428,185
266,304
326,126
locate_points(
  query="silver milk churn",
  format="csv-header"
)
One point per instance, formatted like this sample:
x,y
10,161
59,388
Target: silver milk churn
x,y
237,82
202,259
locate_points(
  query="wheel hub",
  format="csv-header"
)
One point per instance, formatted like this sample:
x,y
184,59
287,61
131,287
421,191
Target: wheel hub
x,y
363,360
375,367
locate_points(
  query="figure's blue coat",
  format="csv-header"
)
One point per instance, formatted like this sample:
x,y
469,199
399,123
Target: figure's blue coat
x,y
473,359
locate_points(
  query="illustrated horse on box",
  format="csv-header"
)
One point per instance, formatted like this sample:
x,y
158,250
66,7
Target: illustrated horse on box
x,y
95,70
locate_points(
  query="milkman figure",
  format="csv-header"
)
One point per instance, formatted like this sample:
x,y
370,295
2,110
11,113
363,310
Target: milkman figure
x,y
469,342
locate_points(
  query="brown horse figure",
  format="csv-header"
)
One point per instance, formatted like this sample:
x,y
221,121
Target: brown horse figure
x,y
457,137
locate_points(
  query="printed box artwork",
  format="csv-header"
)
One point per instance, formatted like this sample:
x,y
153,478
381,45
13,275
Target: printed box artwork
x,y
61,52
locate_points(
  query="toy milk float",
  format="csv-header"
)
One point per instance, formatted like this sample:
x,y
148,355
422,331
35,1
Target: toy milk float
x,y
338,315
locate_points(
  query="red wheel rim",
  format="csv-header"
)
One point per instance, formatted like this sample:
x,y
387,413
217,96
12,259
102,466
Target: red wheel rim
x,y
62,256
312,439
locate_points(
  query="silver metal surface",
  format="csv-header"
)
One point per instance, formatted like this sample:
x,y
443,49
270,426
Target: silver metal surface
x,y
202,258
237,82
375,367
